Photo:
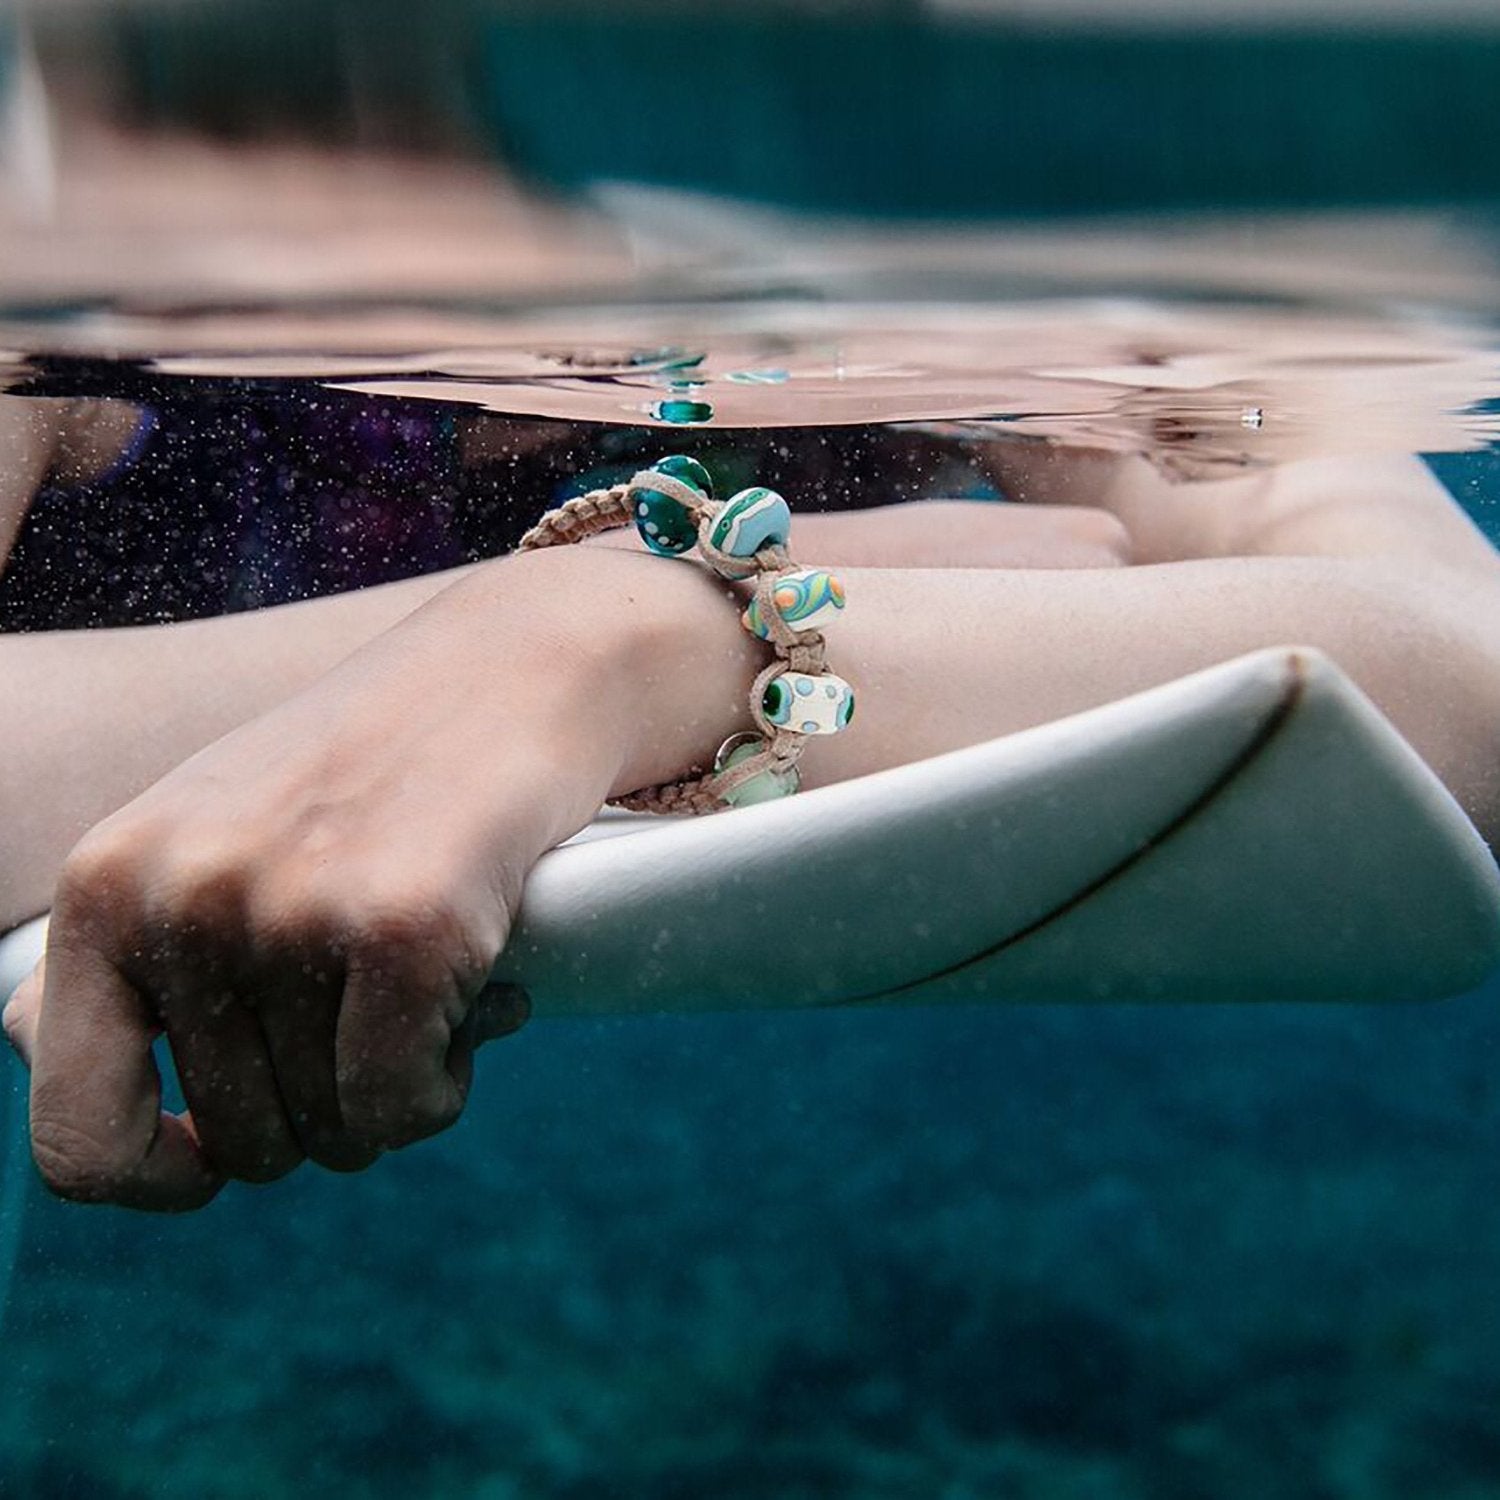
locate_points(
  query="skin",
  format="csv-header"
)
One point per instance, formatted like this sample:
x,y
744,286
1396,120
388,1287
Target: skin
x,y
109,712
309,906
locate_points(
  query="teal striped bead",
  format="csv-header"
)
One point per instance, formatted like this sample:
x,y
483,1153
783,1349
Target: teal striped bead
x,y
752,519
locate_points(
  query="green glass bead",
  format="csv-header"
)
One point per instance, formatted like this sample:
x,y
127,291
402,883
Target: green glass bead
x,y
670,358
776,701
665,524
689,471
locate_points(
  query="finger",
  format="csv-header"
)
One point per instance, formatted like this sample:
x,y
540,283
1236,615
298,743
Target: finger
x,y
22,1011
98,1133
224,1067
500,1010
401,1011
300,1022
460,1059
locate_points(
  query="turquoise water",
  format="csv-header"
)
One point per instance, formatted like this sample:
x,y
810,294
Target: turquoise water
x,y
1073,1252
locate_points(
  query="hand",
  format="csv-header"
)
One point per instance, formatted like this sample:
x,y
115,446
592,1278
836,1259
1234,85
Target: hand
x,y
310,908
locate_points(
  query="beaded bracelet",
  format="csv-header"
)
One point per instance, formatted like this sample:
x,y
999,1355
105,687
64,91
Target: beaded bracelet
x,y
673,507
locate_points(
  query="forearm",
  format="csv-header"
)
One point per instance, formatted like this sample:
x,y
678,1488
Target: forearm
x,y
96,716
1376,505
945,659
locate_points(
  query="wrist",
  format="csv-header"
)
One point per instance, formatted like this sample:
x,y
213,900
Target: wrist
x,y
686,666
630,669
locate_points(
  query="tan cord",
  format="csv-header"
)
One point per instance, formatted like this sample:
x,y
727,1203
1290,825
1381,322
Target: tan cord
x,y
797,651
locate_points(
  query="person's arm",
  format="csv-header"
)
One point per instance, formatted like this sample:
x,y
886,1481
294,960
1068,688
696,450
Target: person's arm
x,y
97,716
310,907
29,435
1382,505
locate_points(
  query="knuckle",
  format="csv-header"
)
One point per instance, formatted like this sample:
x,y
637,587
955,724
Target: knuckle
x,y
101,865
387,927
203,878
296,913
403,921
76,1167
401,916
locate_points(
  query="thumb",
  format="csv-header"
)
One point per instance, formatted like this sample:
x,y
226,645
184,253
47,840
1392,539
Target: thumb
x,y
22,1012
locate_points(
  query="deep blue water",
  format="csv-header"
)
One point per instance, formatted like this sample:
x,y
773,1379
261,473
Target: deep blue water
x,y
1124,1251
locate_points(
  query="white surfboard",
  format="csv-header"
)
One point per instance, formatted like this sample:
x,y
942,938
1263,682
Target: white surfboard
x,y
1257,831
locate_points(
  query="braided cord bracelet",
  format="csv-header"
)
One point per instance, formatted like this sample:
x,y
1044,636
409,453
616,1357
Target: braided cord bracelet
x,y
744,538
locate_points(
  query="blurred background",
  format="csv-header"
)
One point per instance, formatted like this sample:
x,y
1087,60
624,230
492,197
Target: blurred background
x,y
353,145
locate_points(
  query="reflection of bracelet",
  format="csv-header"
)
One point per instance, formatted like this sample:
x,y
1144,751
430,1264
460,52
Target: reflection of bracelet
x,y
743,538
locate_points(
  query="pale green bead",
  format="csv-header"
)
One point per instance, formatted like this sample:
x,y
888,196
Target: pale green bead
x,y
768,786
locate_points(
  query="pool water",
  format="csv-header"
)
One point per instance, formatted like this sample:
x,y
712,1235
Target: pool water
x,y
1080,1251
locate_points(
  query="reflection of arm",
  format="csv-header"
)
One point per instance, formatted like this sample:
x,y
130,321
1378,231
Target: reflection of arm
x,y
1382,505
28,440
44,439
